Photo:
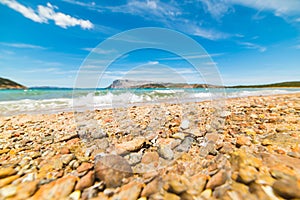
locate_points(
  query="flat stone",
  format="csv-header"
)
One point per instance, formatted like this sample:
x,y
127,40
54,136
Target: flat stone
x,y
132,145
85,166
171,196
185,124
243,140
217,180
177,187
26,189
86,181
150,157
287,188
166,152
185,145
130,191
8,191
8,180
75,195
112,169
247,174
58,189
178,136
151,188
66,158
4,172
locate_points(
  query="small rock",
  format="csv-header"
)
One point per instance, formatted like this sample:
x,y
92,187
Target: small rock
x,y
177,187
8,191
294,154
132,145
112,169
150,157
243,140
59,189
198,183
247,174
130,191
4,172
64,150
206,194
86,181
185,124
171,196
185,145
151,188
66,158
134,158
217,180
208,148
26,189
166,152
98,134
85,166
178,136
287,188
8,180
75,195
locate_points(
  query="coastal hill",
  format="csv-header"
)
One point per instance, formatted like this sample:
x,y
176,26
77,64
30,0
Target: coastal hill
x,y
8,84
124,83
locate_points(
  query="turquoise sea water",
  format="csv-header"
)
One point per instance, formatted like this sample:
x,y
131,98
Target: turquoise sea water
x,y
55,100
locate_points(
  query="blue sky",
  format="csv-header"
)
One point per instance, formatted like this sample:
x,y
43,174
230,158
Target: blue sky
x,y
250,41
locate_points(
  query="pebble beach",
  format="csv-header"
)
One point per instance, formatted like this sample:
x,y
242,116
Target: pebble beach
x,y
247,150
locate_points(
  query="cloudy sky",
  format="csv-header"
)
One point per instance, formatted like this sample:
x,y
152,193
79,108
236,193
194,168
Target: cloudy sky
x,y
249,41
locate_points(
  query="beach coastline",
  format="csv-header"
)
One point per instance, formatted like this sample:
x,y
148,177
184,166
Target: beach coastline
x,y
246,148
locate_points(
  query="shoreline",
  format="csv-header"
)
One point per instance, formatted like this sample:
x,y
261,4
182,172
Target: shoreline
x,y
139,104
250,149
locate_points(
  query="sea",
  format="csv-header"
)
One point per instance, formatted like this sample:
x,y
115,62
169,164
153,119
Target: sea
x,y
54,100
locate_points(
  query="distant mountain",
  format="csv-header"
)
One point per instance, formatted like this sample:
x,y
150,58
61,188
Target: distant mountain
x,y
124,83
8,84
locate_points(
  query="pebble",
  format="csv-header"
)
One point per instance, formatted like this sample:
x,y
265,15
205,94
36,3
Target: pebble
x,y
4,172
112,169
86,181
171,196
75,195
247,174
58,189
185,124
66,158
130,191
217,180
85,166
287,188
185,145
132,145
8,180
166,152
151,188
150,157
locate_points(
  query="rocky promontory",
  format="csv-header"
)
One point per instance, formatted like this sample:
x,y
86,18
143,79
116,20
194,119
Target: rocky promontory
x,y
8,84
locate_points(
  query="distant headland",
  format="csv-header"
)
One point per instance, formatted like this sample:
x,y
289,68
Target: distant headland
x,y
9,84
125,83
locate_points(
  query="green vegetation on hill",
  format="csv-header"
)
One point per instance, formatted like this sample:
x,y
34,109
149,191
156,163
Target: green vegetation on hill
x,y
8,84
283,84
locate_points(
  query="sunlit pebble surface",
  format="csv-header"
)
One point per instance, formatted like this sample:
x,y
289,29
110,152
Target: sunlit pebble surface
x,y
248,149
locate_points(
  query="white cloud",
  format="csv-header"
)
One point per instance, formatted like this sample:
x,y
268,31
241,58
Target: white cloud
x,y
250,45
279,7
99,51
46,13
153,63
217,8
22,45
